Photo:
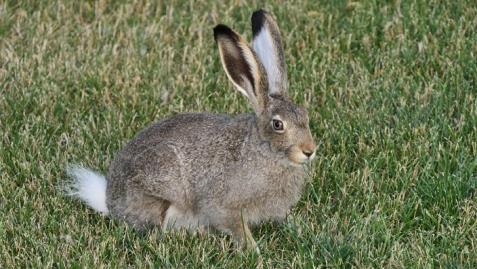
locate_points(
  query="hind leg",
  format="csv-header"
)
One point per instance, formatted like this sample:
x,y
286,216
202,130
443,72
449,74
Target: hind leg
x,y
141,210
143,186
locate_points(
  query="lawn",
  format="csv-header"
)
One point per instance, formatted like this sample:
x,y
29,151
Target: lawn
x,y
392,95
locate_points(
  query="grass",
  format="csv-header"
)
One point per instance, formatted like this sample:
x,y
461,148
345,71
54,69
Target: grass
x,y
391,89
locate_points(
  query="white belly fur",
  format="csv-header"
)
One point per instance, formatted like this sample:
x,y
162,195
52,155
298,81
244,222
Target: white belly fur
x,y
176,218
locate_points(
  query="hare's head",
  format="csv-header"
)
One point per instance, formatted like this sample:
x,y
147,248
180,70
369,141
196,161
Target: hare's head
x,y
261,75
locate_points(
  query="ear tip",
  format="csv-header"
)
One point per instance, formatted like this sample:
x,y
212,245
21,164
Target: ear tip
x,y
259,12
221,29
258,20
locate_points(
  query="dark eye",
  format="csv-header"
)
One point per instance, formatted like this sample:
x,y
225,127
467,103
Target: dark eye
x,y
277,125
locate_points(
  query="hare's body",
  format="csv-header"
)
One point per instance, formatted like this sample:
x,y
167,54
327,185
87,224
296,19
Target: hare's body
x,y
183,172
217,171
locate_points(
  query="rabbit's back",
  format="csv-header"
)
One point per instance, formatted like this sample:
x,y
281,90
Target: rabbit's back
x,y
174,159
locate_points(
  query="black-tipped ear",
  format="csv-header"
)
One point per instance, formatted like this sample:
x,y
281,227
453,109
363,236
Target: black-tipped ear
x,y
241,65
224,30
267,44
258,21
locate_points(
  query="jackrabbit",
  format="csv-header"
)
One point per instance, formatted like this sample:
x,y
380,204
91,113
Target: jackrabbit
x,y
215,171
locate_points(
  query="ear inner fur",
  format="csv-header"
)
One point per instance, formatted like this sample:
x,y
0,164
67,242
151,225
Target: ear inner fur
x,y
242,66
236,69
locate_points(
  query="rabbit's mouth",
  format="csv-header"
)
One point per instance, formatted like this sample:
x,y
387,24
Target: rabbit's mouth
x,y
298,157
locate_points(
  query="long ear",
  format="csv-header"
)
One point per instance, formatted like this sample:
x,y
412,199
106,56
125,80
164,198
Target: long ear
x,y
242,66
267,43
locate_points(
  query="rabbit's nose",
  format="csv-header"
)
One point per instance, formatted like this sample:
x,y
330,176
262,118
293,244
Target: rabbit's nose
x,y
308,149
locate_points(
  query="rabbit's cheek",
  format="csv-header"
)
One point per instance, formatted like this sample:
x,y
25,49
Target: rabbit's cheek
x,y
296,156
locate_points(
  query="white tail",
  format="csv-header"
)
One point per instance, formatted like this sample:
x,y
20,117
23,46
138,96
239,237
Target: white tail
x,y
89,186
